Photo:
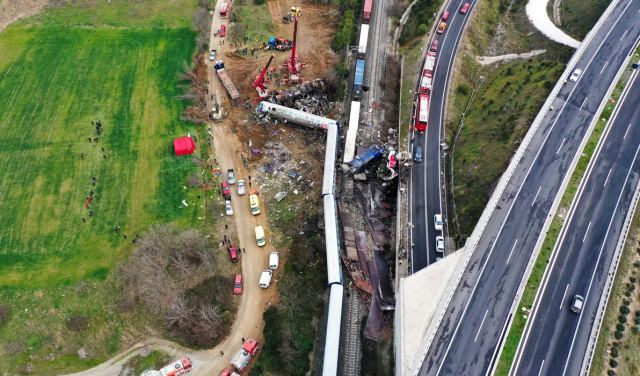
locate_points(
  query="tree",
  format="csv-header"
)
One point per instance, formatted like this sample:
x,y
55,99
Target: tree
x,y
237,32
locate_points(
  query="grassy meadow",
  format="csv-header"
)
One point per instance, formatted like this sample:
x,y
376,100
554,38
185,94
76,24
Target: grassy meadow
x,y
116,62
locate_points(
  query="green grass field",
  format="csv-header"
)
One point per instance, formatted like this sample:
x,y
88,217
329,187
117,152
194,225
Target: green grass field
x,y
117,62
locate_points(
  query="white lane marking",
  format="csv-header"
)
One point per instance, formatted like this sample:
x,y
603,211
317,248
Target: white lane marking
x,y
595,269
604,66
563,296
481,323
624,34
607,179
549,271
582,105
541,365
586,232
627,131
544,141
512,248
560,147
534,199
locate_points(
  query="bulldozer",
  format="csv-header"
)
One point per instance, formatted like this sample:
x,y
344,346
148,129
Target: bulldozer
x,y
293,12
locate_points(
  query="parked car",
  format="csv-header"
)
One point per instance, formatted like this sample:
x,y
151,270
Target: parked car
x,y
439,244
233,253
575,75
577,304
437,222
223,31
226,192
231,176
228,208
441,27
237,284
241,187
434,46
417,154
445,16
212,55
465,8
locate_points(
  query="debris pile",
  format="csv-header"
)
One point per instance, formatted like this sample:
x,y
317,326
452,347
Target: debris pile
x,y
310,96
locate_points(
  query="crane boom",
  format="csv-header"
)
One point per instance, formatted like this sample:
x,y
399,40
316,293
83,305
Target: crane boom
x,y
258,83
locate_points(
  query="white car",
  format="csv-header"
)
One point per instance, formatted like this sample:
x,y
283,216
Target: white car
x,y
231,177
439,244
228,208
575,75
241,188
577,303
437,222
212,55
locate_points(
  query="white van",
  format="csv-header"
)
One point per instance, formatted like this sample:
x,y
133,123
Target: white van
x,y
273,260
265,279
260,240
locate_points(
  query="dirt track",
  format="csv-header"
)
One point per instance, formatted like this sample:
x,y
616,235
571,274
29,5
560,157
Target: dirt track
x,y
13,10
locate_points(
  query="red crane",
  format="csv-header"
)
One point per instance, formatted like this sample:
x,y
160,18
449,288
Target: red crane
x,y
293,64
258,83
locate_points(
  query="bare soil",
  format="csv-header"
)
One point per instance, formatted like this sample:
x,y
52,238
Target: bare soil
x,y
13,10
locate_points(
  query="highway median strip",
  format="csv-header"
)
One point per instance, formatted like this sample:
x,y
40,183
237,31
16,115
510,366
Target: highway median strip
x,y
514,336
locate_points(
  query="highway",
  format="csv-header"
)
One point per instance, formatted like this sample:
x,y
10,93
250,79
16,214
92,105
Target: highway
x,y
556,338
425,186
474,324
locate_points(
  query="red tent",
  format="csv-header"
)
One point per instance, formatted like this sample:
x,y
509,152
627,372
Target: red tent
x,y
184,145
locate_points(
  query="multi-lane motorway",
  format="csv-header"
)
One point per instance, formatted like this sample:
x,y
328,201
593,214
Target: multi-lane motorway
x,y
425,178
556,338
474,323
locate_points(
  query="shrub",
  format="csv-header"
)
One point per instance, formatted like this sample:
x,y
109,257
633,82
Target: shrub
x,y
624,310
613,363
77,323
462,89
618,335
611,373
259,2
620,328
614,352
622,319
5,314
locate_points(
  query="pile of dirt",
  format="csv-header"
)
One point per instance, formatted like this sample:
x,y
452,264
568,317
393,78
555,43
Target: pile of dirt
x,y
13,10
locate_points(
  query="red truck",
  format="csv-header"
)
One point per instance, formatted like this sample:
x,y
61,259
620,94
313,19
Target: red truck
x,y
366,12
177,368
224,9
226,80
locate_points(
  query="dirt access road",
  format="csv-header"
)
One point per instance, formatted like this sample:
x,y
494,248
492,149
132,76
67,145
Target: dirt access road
x,y
13,10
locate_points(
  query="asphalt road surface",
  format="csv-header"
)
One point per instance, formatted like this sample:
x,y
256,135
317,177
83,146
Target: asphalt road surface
x,y
557,340
425,179
474,324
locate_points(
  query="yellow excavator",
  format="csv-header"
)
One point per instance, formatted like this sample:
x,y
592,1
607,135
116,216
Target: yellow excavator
x,y
293,13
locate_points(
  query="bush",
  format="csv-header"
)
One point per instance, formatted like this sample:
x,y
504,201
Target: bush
x,y
613,363
422,11
611,373
548,85
259,2
462,89
622,319
618,335
77,323
5,314
620,328
624,310
614,352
